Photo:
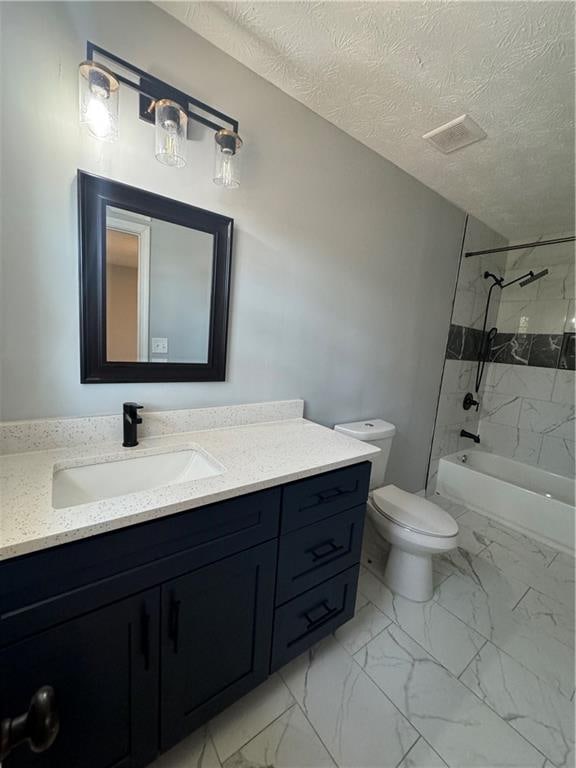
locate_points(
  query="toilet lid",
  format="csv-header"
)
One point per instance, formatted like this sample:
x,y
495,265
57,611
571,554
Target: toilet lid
x,y
414,512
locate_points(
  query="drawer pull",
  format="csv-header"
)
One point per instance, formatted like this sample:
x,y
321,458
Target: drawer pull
x,y
331,493
329,548
326,613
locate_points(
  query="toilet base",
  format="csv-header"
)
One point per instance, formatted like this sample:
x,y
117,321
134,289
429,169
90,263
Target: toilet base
x,y
409,575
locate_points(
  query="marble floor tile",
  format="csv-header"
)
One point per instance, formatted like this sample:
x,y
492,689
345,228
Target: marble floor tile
x,y
540,653
365,625
196,751
484,600
462,729
563,568
551,616
491,531
533,708
355,720
361,601
521,568
288,742
475,589
470,540
422,756
444,636
239,723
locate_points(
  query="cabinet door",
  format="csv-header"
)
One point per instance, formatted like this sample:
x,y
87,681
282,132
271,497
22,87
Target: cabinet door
x,y
103,668
216,634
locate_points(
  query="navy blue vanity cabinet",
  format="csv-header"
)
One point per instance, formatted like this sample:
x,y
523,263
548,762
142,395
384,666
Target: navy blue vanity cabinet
x,y
147,632
103,667
216,630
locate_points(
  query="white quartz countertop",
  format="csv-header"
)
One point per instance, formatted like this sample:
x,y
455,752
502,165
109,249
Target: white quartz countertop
x,y
255,457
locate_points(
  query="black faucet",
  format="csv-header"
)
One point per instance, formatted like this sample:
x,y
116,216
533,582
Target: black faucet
x,y
476,438
131,421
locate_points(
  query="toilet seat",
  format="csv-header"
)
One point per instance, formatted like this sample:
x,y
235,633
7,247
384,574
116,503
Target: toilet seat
x,y
413,513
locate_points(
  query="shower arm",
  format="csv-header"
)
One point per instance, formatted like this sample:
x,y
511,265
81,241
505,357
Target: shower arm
x,y
529,274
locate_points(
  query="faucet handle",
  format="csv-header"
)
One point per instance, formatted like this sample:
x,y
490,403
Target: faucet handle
x,y
132,410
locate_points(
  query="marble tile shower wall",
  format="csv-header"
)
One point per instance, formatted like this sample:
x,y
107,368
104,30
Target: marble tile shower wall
x,y
465,330
527,410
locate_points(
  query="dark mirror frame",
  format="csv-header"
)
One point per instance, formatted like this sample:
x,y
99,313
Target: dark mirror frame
x,y
94,194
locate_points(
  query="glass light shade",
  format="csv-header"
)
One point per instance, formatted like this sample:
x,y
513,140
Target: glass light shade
x,y
171,133
227,145
98,92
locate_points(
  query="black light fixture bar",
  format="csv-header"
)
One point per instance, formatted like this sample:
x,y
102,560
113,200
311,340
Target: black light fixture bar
x,y
151,89
522,246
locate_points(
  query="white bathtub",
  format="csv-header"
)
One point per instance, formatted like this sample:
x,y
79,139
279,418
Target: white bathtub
x,y
528,499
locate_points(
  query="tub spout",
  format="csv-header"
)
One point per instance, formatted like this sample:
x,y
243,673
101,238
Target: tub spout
x,y
476,438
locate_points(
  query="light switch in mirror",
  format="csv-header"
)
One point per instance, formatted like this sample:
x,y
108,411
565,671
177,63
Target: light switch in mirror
x,y
158,289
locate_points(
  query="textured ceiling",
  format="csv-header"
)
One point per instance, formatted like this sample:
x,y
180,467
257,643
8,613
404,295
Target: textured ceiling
x,y
387,72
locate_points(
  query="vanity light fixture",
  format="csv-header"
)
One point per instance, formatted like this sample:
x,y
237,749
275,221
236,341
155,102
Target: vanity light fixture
x,y
169,109
171,132
227,145
98,100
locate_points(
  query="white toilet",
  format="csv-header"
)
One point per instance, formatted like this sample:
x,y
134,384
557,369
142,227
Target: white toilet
x,y
416,528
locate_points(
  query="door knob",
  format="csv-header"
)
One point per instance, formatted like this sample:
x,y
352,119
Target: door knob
x,y
38,726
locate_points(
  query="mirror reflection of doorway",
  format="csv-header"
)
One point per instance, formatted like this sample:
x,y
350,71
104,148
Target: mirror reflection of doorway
x,y
127,290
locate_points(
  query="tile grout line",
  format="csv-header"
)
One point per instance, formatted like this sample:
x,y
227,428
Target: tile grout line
x,y
390,621
320,739
209,735
517,603
256,734
476,655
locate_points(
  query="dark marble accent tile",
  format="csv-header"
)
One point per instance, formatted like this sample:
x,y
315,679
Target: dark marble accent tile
x,y
472,343
567,353
545,350
511,348
455,346
463,343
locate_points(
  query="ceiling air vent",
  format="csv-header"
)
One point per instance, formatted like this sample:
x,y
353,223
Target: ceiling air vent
x,y
456,134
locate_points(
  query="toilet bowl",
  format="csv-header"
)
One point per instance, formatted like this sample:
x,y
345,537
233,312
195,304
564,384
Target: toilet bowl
x,y
415,528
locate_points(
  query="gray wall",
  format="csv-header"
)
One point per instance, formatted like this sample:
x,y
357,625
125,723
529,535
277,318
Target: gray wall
x,y
344,266
180,290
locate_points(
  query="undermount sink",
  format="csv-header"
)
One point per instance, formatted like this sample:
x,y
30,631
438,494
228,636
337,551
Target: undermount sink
x,y
115,476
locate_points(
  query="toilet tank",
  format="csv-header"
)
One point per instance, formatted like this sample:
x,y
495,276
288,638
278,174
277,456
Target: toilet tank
x,y
376,432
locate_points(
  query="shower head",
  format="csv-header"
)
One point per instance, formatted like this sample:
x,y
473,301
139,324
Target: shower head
x,y
533,277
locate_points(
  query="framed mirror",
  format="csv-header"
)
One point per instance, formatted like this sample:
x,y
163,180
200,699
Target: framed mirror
x,y
154,286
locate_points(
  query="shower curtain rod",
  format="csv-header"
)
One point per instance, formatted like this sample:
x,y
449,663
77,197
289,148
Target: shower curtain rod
x,y
521,246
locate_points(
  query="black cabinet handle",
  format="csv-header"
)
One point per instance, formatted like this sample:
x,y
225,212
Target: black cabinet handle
x,y
326,613
39,726
145,637
329,547
174,622
330,494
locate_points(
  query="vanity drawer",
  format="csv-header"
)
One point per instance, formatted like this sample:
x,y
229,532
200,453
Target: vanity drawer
x,y
310,617
307,501
317,552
